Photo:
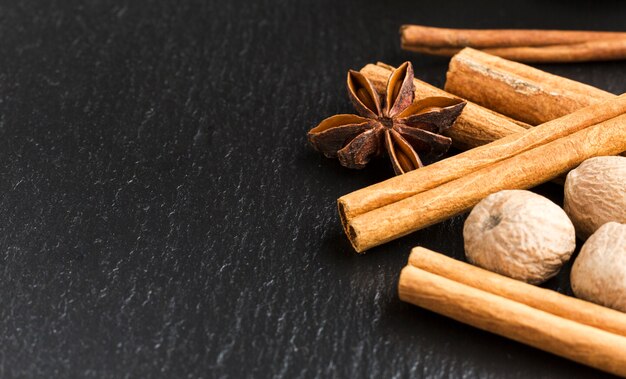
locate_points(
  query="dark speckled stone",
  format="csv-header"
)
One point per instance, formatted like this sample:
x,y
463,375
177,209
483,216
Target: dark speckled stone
x,y
161,214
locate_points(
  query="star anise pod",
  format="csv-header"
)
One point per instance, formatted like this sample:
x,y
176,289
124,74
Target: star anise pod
x,y
400,126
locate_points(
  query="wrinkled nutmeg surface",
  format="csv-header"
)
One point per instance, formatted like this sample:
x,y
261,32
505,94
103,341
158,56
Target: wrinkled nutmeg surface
x,y
519,234
599,272
595,193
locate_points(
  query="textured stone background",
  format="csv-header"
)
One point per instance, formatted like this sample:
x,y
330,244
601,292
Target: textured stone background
x,y
161,214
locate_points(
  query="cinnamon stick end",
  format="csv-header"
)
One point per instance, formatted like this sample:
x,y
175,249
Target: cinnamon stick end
x,y
346,217
355,235
344,214
403,289
354,239
403,36
414,257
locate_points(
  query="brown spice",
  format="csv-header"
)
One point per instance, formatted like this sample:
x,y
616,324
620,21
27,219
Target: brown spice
x,y
521,171
475,126
419,35
395,189
519,234
401,126
571,328
598,272
595,193
519,45
543,299
517,90
581,52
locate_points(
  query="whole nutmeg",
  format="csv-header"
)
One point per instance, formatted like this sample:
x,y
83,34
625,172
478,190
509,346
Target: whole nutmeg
x,y
599,273
595,193
519,234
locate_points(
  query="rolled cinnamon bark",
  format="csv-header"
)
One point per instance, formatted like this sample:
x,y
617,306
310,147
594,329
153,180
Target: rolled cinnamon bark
x,y
426,36
438,173
518,45
474,127
578,342
581,52
524,170
543,299
517,90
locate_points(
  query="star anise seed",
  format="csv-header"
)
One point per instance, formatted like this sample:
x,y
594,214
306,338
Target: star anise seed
x,y
401,126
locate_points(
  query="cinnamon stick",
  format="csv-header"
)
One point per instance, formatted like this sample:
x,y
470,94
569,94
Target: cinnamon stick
x,y
546,300
427,36
518,45
474,127
581,52
515,320
524,170
438,173
517,90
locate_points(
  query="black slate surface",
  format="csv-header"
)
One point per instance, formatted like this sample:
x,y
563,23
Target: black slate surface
x,y
163,216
